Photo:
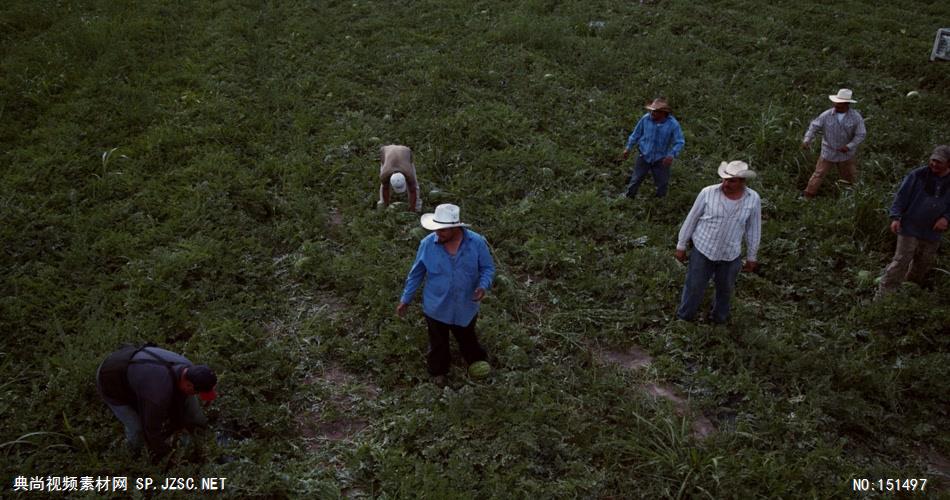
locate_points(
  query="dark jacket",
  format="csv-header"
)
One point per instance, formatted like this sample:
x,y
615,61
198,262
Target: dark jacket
x,y
146,379
921,199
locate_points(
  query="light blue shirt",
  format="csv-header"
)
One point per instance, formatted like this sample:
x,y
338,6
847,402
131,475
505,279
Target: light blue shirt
x,y
450,281
657,140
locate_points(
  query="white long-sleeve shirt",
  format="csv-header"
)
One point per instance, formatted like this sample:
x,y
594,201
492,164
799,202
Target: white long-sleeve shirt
x,y
717,224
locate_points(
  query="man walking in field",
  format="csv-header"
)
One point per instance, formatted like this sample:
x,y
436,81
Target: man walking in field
x,y
153,393
398,173
721,216
659,139
919,217
842,131
458,270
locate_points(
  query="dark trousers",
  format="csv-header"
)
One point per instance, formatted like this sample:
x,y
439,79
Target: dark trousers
x,y
439,357
661,176
700,270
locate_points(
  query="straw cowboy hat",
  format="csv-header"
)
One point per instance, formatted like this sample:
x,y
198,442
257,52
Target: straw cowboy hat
x,y
843,95
659,104
446,215
735,169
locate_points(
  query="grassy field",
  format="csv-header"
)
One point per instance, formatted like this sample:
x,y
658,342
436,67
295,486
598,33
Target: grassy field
x,y
202,175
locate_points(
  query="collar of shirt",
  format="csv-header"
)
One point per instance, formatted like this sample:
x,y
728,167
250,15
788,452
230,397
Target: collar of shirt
x,y
745,193
461,243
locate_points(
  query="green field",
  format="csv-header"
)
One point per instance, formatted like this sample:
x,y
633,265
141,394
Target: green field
x,y
203,175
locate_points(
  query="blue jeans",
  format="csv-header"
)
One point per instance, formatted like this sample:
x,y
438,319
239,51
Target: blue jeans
x,y
133,426
132,421
700,270
661,176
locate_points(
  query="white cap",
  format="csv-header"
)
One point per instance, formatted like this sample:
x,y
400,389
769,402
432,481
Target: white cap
x,y
398,182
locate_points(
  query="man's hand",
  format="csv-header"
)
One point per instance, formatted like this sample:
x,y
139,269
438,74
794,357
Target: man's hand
x,y
401,309
896,226
625,154
844,149
806,145
478,295
750,266
941,225
667,161
680,255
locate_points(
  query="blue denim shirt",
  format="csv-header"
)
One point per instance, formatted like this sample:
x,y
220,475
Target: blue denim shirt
x,y
920,201
450,281
657,140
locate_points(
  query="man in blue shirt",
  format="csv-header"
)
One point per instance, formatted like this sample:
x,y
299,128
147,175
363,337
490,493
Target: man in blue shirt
x,y
458,270
919,217
659,138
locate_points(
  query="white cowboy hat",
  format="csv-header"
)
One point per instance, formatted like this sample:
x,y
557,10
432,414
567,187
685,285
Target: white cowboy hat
x,y
735,169
446,215
398,182
843,95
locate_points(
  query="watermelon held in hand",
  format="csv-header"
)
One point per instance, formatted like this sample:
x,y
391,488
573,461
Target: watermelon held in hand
x,y
479,369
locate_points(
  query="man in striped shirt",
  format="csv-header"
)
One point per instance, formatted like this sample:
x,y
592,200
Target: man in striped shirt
x,y
842,131
722,214
659,138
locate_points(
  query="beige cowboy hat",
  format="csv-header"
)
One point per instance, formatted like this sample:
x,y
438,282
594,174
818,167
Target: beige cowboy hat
x,y
659,104
735,169
843,95
446,215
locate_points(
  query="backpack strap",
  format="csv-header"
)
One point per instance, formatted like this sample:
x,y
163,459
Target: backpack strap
x,y
155,361
113,372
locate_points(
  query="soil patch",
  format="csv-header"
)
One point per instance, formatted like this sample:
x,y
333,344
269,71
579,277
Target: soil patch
x,y
342,395
339,429
701,426
336,218
636,358
632,359
938,467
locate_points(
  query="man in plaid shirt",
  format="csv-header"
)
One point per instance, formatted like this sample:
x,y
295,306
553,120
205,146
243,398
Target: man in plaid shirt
x,y
842,131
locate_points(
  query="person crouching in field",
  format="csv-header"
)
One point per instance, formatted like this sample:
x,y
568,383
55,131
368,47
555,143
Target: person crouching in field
x,y
153,392
397,172
843,130
659,139
919,217
721,216
458,270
